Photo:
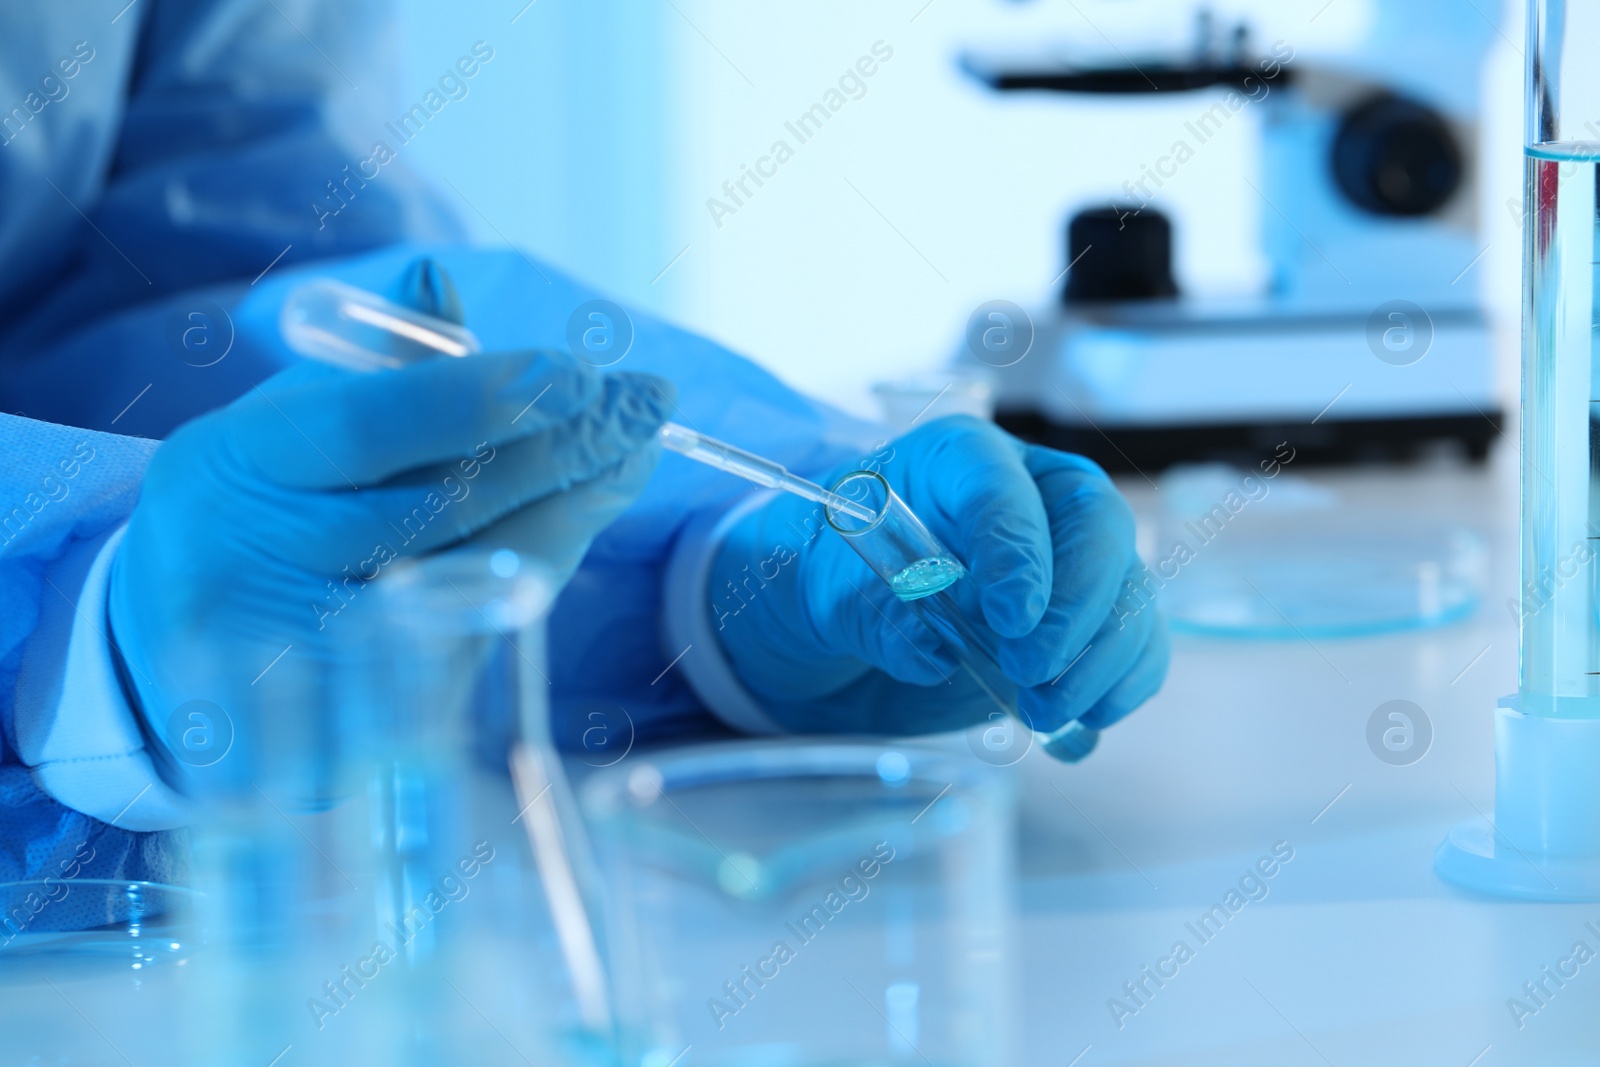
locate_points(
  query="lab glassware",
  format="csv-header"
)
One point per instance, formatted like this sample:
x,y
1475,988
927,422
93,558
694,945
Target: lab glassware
x,y
753,468
459,680
379,909
1244,556
931,395
118,951
1545,840
352,328
806,903
927,577
123,923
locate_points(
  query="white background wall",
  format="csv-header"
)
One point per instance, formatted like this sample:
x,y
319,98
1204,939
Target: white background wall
x,y
599,131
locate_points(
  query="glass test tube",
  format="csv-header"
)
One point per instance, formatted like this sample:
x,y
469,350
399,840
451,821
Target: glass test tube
x,y
1560,633
361,331
924,574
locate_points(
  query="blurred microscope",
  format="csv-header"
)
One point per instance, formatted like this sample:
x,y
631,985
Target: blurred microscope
x,y
1369,341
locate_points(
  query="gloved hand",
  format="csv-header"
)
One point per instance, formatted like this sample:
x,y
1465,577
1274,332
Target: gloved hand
x,y
824,645
258,524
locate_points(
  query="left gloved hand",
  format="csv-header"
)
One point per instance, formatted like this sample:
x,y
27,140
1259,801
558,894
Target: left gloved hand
x,y
258,524
1048,542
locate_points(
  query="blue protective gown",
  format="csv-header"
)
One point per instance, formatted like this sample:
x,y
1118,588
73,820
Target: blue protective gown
x,y
175,158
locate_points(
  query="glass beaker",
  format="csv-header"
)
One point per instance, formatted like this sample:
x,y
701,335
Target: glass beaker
x,y
957,390
807,902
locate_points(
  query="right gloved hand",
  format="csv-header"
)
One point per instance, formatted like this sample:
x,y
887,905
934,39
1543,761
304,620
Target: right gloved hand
x,y
1049,543
253,519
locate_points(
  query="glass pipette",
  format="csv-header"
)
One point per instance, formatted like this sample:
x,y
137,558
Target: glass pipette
x,y
358,330
754,468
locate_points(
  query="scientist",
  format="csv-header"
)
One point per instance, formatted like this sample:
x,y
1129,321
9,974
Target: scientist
x,y
166,169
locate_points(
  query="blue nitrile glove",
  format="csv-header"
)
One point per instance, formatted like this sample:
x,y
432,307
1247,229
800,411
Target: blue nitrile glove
x,y
824,645
257,524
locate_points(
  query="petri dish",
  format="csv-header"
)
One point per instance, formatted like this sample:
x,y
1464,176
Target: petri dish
x,y
1324,575
93,921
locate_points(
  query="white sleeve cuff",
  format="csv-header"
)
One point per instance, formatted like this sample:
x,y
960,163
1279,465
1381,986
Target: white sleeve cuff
x,y
687,625
76,731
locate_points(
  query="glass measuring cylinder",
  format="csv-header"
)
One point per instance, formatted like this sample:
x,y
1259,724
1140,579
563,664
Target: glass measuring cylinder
x,y
925,575
1544,842
1560,629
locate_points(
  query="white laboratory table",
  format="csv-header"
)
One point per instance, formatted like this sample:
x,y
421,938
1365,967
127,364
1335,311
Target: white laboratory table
x,y
1356,955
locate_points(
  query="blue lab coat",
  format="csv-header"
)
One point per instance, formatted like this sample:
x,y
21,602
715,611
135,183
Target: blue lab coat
x,y
178,165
